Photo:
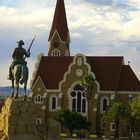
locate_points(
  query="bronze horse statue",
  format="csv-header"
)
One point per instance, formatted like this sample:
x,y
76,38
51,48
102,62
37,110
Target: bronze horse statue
x,y
18,71
19,76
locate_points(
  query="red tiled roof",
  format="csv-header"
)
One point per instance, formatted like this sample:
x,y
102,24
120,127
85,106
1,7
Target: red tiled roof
x,y
110,72
107,71
52,69
128,80
60,21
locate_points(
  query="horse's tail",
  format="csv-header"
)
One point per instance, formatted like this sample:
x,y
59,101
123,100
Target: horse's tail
x,y
24,74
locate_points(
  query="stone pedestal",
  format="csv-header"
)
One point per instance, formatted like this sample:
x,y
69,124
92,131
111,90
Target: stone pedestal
x,y
17,120
53,130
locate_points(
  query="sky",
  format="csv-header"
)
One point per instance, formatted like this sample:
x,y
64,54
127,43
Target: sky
x,y
97,28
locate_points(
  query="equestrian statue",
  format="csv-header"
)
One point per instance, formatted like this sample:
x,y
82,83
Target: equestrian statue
x,y
18,71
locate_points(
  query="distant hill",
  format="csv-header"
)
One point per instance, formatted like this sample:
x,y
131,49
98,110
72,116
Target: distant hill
x,y
6,91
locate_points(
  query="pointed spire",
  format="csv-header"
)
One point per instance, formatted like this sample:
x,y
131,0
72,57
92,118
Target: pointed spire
x,y
60,21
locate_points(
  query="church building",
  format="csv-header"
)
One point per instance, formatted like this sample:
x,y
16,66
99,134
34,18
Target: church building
x,y
56,81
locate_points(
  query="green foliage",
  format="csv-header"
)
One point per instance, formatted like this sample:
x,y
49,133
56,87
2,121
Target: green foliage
x,y
88,81
122,112
134,108
118,111
71,120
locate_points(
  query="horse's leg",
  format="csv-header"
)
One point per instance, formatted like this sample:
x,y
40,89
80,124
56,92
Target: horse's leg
x,y
17,89
25,87
24,78
12,94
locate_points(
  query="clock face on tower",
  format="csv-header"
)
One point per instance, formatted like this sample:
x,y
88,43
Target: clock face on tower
x,y
55,44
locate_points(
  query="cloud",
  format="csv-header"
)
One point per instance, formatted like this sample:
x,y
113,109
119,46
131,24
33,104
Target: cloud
x,y
130,29
41,25
103,27
101,2
76,35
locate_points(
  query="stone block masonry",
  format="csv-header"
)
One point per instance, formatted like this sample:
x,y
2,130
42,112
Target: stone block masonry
x,y
17,120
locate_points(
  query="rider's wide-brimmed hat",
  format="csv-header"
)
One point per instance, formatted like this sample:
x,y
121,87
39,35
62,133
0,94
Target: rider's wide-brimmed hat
x,y
20,42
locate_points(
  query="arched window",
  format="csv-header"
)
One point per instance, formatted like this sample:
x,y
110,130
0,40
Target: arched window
x,y
74,105
38,99
112,126
104,103
53,103
83,105
55,52
78,99
38,121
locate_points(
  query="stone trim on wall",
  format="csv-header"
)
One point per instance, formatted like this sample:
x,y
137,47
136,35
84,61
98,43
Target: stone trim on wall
x,y
118,92
107,92
101,103
112,97
112,125
56,33
53,90
128,92
73,63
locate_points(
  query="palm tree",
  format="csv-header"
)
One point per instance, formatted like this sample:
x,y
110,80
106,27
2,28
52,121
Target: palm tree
x,y
117,113
134,113
90,87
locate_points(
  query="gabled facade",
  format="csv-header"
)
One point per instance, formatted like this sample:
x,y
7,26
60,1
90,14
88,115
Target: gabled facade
x,y
56,82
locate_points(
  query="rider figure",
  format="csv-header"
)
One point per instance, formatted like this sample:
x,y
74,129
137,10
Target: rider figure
x,y
18,56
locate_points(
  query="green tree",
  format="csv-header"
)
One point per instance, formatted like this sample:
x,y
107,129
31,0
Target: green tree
x,y
90,85
117,113
71,120
134,113
90,88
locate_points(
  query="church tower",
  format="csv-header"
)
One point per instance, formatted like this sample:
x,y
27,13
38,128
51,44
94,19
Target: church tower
x,y
59,38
